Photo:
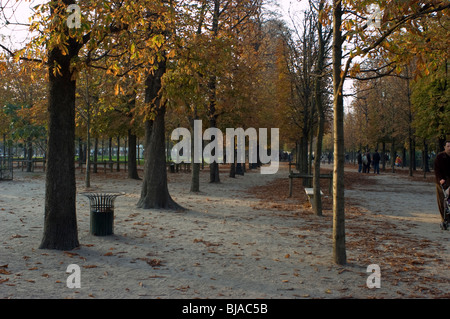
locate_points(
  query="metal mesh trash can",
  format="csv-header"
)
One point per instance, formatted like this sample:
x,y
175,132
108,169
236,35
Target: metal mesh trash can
x,y
102,212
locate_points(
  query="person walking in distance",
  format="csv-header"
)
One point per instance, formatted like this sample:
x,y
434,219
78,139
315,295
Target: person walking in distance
x,y
442,174
359,159
368,161
376,162
398,161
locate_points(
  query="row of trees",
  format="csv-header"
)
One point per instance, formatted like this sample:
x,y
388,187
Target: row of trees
x,y
124,69
398,43
400,66
397,113
147,67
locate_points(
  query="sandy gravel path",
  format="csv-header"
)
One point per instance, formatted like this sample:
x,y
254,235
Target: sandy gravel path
x,y
243,238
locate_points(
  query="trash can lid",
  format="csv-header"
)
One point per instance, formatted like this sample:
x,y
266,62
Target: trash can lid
x,y
104,200
102,194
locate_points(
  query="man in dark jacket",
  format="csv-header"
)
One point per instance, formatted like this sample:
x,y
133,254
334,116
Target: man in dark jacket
x,y
359,159
442,173
376,162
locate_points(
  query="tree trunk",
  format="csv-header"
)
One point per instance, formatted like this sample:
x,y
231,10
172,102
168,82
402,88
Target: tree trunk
x,y
339,250
298,153
95,155
425,165
403,157
60,224
195,177
88,149
103,149
110,153
214,167
80,153
195,181
4,144
304,158
132,166
118,153
410,133
233,164
317,199
29,155
411,154
393,155
155,192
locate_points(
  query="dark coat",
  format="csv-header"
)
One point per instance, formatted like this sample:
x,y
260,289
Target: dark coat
x,y
376,158
442,168
359,158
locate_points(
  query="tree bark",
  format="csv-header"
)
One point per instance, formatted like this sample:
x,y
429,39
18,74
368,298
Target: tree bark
x,y
110,153
214,167
195,181
29,155
339,250
88,149
4,144
94,170
304,156
60,222
393,155
317,199
118,153
80,153
155,192
410,128
425,165
233,165
195,177
132,166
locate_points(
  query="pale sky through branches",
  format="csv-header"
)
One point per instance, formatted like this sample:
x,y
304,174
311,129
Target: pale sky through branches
x,y
292,10
18,13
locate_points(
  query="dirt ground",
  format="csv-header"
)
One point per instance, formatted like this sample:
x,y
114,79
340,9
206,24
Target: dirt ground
x,y
242,238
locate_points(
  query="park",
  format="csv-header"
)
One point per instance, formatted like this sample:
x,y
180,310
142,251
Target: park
x,y
243,238
116,181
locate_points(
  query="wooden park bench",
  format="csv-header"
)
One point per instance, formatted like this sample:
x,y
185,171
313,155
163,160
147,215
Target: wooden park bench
x,y
293,175
175,168
22,163
106,164
310,193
